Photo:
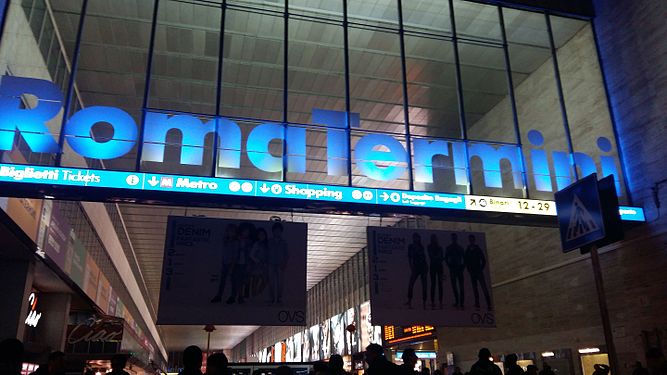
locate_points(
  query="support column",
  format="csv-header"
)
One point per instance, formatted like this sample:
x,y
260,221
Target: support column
x,y
16,278
52,327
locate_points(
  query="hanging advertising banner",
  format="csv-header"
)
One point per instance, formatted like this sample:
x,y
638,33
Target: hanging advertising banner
x,y
315,343
91,278
78,265
306,356
103,293
338,334
369,334
56,241
219,271
113,302
297,342
351,331
434,277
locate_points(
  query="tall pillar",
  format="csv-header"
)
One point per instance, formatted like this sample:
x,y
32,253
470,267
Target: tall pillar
x,y
16,278
52,327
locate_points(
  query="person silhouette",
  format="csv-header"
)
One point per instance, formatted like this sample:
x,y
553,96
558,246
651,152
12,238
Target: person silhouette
x,y
11,356
512,367
192,358
54,366
230,251
531,370
217,364
484,364
655,361
284,370
418,268
258,268
409,362
475,262
377,362
336,365
600,369
278,258
320,368
436,257
118,363
240,267
546,370
454,258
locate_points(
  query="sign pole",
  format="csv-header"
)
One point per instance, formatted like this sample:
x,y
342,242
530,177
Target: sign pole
x,y
604,312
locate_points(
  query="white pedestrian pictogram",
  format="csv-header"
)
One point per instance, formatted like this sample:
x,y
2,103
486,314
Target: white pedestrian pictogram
x,y
581,221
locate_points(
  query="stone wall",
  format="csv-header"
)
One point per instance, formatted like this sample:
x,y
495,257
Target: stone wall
x,y
547,300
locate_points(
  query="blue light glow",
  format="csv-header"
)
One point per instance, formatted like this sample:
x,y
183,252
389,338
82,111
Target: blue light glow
x,y
381,157
31,123
367,155
192,130
79,126
94,179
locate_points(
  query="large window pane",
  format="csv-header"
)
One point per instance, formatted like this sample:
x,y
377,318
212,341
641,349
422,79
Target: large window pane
x,y
432,92
30,49
495,169
331,9
379,161
537,103
430,16
326,157
112,70
373,12
439,165
257,158
185,59
488,108
272,5
316,77
586,101
178,144
376,90
477,21
252,72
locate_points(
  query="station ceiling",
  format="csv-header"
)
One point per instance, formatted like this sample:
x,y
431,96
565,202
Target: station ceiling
x,y
112,70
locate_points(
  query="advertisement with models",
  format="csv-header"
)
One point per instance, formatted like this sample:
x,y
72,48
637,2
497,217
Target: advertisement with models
x,y
220,271
440,277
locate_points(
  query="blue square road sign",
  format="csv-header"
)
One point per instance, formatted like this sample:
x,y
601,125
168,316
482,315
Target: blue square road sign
x,y
580,215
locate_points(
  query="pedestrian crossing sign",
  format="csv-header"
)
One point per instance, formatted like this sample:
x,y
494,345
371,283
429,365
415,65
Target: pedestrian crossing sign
x,y
580,214
581,221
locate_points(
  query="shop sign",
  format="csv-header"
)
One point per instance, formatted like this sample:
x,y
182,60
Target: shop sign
x,y
376,156
395,334
95,330
33,316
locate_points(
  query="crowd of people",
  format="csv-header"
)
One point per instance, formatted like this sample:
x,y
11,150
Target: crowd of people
x,y
12,353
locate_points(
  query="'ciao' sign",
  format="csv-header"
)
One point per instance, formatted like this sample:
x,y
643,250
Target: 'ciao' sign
x,y
96,330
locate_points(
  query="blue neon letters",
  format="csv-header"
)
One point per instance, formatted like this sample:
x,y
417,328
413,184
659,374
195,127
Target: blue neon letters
x,y
381,157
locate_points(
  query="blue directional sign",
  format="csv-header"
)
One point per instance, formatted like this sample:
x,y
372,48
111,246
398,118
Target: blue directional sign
x,y
580,215
197,185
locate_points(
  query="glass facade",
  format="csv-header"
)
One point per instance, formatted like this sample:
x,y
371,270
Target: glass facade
x,y
479,98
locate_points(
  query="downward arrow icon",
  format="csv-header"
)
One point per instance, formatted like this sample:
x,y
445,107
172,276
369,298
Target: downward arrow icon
x,y
264,188
153,181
